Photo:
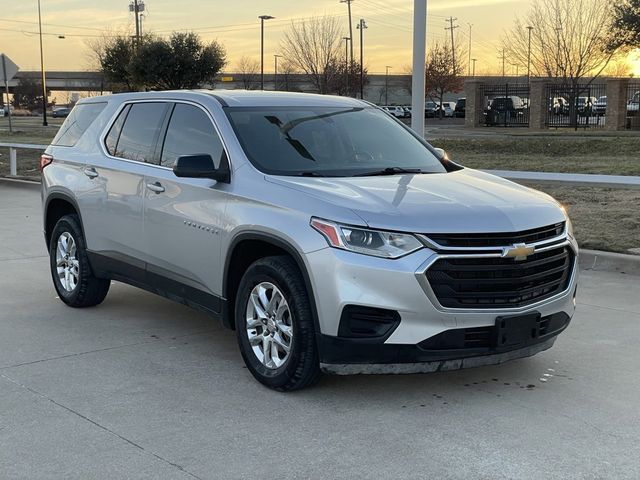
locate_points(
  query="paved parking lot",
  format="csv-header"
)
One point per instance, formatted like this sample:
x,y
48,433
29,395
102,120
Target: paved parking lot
x,y
140,387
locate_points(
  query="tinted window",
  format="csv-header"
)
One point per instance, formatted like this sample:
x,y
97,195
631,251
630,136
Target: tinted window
x,y
328,141
190,132
114,134
78,121
140,133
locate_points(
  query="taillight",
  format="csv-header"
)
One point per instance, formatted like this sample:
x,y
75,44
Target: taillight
x,y
45,160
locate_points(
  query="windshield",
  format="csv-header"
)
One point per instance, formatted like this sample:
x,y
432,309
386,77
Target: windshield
x,y
329,141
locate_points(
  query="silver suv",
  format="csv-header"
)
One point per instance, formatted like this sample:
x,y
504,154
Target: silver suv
x,y
325,232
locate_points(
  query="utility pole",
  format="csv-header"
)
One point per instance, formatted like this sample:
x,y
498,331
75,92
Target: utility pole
x,y
386,86
262,19
474,60
137,6
418,81
346,65
361,26
530,28
275,71
348,2
44,79
470,27
452,27
503,57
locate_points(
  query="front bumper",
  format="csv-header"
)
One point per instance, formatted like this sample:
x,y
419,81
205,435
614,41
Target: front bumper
x,y
341,278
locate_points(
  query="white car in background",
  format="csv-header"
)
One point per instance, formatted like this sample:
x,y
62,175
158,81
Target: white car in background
x,y
394,111
448,108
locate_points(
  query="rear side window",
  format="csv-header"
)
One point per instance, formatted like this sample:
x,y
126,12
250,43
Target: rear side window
x,y
190,132
135,133
78,121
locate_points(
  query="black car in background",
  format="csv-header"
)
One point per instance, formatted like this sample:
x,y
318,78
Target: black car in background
x,y
461,106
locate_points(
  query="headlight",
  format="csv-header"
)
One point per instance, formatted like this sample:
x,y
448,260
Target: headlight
x,y
368,242
568,222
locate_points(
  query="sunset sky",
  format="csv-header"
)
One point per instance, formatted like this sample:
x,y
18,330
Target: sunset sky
x,y
235,24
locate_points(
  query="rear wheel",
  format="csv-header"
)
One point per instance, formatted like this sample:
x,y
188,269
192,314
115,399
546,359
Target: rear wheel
x,y
274,325
72,276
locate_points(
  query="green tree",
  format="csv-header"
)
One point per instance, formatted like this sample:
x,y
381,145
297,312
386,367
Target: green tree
x,y
182,61
626,25
115,56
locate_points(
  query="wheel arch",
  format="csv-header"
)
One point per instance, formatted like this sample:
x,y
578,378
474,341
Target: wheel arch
x,y
268,245
56,206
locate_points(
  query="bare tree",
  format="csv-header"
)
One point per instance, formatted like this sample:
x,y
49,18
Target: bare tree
x,y
313,46
569,39
248,71
443,76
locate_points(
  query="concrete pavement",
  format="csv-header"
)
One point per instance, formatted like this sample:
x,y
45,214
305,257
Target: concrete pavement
x,y
141,387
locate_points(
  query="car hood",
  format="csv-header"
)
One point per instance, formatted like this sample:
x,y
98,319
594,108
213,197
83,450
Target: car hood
x,y
466,201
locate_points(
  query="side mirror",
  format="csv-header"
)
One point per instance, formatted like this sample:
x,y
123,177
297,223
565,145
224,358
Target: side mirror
x,y
201,166
441,153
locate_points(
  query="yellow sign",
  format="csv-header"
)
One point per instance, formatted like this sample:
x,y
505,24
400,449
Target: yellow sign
x,y
226,79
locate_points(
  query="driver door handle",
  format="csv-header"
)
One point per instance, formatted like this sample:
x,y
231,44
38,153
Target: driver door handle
x,y
90,172
155,187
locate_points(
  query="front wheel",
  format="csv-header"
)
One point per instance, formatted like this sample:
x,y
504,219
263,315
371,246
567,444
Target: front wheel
x,y
274,325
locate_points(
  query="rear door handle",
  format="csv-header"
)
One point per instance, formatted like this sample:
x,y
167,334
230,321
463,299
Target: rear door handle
x,y
155,187
90,172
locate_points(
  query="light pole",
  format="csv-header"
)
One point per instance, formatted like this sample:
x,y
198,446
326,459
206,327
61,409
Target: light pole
x,y
44,80
275,70
346,65
262,19
530,28
418,87
361,26
386,85
474,60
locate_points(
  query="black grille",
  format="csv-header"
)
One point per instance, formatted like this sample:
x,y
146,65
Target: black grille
x,y
500,282
497,239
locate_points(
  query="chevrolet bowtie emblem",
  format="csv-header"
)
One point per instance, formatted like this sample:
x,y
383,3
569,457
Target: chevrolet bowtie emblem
x,y
518,252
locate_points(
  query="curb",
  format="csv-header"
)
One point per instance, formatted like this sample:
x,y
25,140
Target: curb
x,y
18,182
595,260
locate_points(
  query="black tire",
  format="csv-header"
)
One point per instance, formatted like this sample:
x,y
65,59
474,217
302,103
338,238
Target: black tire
x,y
302,368
89,290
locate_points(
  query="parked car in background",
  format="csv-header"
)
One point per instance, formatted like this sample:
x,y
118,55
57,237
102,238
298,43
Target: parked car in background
x,y
558,105
394,110
61,112
460,109
430,109
446,109
585,105
327,235
505,110
5,109
633,106
407,111
600,105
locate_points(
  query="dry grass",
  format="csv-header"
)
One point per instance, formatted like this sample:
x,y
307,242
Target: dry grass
x,y
603,218
609,156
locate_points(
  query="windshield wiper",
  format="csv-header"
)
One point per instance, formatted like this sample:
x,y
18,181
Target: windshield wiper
x,y
389,171
310,174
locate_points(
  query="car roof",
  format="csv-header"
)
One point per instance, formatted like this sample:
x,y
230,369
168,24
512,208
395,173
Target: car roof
x,y
243,98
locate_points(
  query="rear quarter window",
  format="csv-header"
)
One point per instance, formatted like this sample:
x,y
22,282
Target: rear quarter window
x,y
78,121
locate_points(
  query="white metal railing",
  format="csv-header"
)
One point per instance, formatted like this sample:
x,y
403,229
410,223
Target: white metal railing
x,y
13,154
612,181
